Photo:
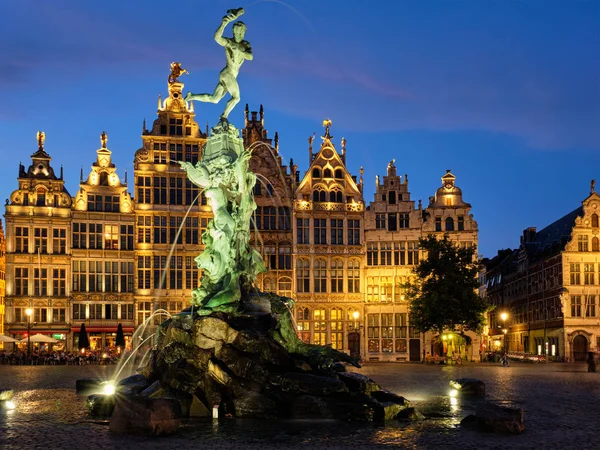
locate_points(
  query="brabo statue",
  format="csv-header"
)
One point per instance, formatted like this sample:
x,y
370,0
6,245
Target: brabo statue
x,y
230,264
236,50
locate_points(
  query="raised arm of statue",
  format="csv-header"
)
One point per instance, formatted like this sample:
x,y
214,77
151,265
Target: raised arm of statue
x,y
198,174
231,15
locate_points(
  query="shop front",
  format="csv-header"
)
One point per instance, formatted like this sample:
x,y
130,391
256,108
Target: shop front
x,y
102,338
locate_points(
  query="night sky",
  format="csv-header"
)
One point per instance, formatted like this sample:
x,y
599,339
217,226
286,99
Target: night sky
x,y
506,94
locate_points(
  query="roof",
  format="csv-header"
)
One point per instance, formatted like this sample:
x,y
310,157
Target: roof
x,y
553,238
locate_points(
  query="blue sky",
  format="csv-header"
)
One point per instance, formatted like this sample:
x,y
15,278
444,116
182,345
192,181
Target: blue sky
x,y
506,94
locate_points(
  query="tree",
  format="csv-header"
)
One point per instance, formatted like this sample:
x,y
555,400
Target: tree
x,y
443,296
83,341
120,339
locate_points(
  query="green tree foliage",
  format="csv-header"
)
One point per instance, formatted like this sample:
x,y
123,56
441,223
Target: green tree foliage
x,y
443,297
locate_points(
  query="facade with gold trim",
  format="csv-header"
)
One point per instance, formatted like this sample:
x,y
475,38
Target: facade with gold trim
x,y
314,232
2,281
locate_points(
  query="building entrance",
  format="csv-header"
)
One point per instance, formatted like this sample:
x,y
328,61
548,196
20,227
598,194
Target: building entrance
x,y
414,350
580,348
354,344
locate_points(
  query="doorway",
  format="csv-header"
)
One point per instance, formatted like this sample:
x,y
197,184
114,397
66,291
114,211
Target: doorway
x,y
414,350
354,344
580,348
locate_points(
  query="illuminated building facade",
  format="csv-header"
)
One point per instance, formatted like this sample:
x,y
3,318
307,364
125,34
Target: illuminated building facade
x,y
101,287
549,288
393,226
38,260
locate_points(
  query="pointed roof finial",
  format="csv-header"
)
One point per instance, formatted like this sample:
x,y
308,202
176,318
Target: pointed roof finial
x,y
261,112
327,124
103,139
144,126
159,101
41,138
276,141
593,186
343,145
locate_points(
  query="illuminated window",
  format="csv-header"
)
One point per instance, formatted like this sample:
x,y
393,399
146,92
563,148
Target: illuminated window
x,y
354,276
575,306
373,333
59,282
144,229
21,240
284,287
337,327
372,254
594,220
448,201
582,243
353,232
303,323
575,273
320,327
380,221
302,227
337,232
588,273
320,231
21,281
303,275
40,239
111,237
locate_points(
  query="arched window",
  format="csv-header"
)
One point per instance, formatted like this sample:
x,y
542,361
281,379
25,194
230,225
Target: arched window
x,y
595,244
303,275
322,196
327,173
103,179
354,276
320,326
449,224
257,190
302,321
320,274
339,174
337,326
315,196
594,220
41,197
338,197
337,276
284,287
316,173
332,196
269,189
303,313
269,285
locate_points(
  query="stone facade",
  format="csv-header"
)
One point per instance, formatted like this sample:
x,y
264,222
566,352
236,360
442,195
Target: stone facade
x,y
2,280
116,259
550,288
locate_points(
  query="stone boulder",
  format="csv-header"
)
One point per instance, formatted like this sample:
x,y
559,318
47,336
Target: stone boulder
x,y
100,405
145,415
358,383
499,417
468,387
132,385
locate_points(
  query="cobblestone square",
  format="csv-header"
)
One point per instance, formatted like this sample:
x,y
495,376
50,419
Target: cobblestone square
x,y
561,403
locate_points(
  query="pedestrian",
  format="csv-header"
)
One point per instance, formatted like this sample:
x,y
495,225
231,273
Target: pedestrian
x,y
591,362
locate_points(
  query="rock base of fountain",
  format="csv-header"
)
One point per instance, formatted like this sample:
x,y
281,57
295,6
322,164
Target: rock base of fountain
x,y
251,364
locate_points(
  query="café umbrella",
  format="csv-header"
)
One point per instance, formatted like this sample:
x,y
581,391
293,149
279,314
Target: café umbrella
x,y
41,338
4,338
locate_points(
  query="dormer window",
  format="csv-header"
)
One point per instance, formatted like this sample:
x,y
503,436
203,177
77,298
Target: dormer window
x,y
448,201
41,197
392,197
594,220
327,173
449,224
339,174
316,173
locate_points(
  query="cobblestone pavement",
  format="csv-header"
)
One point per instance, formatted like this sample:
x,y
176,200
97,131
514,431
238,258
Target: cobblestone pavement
x,y
561,403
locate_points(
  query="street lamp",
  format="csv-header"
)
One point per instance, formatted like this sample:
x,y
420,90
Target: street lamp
x,y
29,312
355,316
504,316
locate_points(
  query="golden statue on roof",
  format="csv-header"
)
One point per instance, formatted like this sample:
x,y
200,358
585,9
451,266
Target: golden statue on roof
x,y
41,138
103,139
176,72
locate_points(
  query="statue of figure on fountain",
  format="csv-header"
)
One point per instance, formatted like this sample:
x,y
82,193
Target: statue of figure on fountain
x,y
237,50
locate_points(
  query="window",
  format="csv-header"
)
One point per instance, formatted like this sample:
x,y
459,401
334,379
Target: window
x,y
575,306
175,236
284,287
372,254
144,311
320,231
270,256
316,173
392,224
95,276
386,253
337,232
302,226
320,274
269,218
353,232
319,196
337,328
144,229
111,276
160,190
126,237
373,333
339,174
302,320
127,312
111,237
160,153
191,230
79,311
353,276
285,257
582,243
303,275
595,244
144,272
461,223
191,193
320,335
59,282
176,272
40,281
21,240
438,224
327,173
400,332
337,276
21,281
380,221
335,197
79,276
111,203
590,306
144,188
448,201
95,236
192,273
284,218
40,240
160,229
449,224
404,220
588,273
176,191
41,197
392,197
59,315
575,270
413,253
126,277
594,220
160,271
387,333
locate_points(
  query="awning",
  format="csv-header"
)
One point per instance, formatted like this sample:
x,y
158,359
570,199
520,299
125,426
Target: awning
x,y
102,329
35,331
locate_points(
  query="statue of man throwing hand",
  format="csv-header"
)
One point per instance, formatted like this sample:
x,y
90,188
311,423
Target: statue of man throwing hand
x,y
236,50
